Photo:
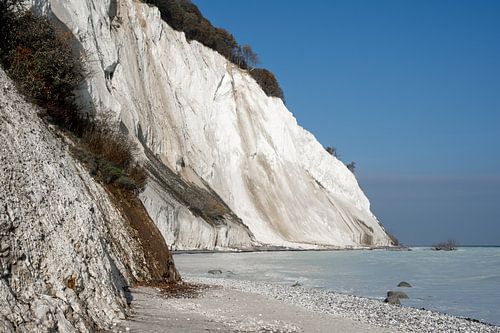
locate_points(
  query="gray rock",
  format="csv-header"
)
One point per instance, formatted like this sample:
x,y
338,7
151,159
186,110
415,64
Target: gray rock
x,y
392,300
398,294
404,284
215,271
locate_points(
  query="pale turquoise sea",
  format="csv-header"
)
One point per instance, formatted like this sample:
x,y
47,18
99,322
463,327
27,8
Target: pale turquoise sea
x,y
465,282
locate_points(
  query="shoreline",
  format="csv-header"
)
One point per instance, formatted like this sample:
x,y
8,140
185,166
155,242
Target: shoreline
x,y
322,249
287,249
247,306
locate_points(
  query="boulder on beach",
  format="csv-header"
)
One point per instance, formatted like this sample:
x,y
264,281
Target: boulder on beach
x,y
398,294
392,300
404,284
215,271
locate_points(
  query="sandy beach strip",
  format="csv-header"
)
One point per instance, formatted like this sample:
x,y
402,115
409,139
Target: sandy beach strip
x,y
244,306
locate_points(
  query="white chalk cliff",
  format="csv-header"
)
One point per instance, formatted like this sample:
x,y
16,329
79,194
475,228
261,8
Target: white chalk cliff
x,y
211,136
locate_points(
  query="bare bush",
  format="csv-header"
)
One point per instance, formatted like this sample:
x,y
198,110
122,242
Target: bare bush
x,y
114,154
448,245
103,138
139,176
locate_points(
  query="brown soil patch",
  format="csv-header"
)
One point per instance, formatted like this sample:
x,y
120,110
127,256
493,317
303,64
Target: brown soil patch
x,y
159,261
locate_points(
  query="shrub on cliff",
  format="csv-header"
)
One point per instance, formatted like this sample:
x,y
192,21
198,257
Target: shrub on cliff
x,y
40,61
110,155
333,151
268,82
351,166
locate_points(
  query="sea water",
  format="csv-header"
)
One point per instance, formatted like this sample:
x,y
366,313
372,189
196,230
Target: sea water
x,y
465,282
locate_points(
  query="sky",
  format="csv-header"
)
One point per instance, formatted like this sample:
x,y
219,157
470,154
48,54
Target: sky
x,y
409,90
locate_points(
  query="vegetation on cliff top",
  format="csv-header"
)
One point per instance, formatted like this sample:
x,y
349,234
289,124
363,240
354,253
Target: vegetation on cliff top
x,y
183,15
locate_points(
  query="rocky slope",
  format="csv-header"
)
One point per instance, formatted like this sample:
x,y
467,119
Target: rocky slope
x,y
209,125
67,250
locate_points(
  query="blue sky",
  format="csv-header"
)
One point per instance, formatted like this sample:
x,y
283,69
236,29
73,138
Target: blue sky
x,y
410,90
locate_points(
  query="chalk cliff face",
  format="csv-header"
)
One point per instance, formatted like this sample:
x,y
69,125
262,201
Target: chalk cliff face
x,y
230,166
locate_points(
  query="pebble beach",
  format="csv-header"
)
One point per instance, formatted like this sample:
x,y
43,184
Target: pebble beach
x,y
228,305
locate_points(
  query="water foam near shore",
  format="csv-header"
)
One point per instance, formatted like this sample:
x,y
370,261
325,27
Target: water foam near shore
x,y
463,283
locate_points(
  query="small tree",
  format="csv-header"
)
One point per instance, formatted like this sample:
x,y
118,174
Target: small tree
x,y
250,56
333,151
237,57
351,166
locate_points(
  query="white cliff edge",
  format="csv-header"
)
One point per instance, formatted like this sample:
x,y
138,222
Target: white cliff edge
x,y
213,126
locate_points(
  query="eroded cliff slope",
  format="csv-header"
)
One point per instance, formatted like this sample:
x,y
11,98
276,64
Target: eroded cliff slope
x,y
207,124
67,250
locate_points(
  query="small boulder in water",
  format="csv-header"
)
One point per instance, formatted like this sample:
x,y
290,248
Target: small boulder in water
x,y
215,271
404,284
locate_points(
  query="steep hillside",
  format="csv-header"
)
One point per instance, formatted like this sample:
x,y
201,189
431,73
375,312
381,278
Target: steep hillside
x,y
208,124
68,248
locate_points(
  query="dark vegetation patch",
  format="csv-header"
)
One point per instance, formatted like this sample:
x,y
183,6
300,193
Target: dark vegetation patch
x,y
39,59
267,81
184,15
109,154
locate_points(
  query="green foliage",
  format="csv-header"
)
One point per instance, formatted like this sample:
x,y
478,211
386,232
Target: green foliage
x,y
183,15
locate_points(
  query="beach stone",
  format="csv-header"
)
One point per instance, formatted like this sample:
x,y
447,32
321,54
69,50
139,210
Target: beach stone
x,y
404,284
398,294
215,271
392,300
